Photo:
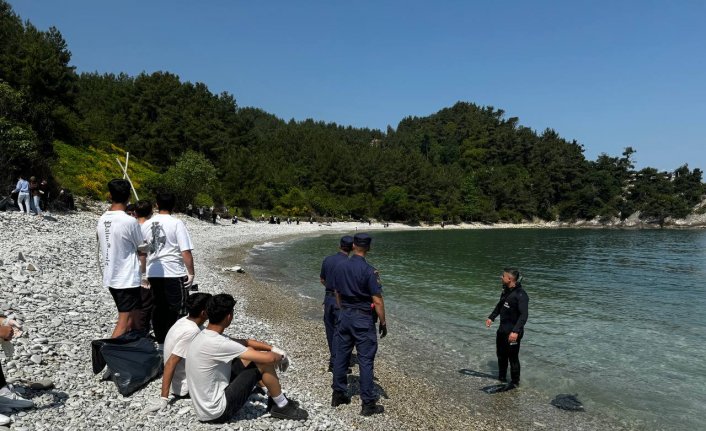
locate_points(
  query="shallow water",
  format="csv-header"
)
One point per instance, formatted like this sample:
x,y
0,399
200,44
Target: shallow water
x,y
616,317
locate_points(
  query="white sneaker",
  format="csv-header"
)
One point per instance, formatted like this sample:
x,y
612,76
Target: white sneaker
x,y
9,398
4,420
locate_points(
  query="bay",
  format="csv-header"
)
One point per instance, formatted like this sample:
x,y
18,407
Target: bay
x,y
616,316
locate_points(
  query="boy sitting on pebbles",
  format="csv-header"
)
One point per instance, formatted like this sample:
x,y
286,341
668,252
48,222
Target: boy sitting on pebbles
x,y
222,373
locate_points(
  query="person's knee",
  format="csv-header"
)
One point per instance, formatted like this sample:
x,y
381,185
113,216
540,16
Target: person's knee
x,y
266,369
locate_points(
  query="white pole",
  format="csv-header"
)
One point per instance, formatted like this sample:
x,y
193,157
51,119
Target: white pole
x,y
127,177
127,160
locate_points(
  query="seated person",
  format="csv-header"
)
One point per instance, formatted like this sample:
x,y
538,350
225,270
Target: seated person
x,y
9,399
221,373
176,345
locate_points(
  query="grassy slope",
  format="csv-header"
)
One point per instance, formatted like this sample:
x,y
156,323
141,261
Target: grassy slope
x,y
86,171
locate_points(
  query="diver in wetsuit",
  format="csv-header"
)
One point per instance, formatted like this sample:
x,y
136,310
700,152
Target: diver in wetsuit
x,y
512,308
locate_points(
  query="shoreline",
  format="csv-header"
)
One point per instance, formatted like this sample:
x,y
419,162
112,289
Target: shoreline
x,y
64,307
410,399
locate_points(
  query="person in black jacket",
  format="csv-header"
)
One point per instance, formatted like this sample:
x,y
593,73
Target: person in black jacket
x,y
512,308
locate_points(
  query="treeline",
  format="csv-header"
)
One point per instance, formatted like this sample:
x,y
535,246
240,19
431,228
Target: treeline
x,y
464,163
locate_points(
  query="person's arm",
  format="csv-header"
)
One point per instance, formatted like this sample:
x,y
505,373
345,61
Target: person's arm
x,y
143,262
186,247
254,344
495,312
169,368
265,358
188,261
523,309
6,333
380,308
379,304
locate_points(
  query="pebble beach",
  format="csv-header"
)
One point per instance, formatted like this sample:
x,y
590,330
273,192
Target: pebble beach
x,y
49,279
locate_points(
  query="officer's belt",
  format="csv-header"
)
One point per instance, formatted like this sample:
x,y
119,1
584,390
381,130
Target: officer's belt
x,y
330,293
356,300
367,312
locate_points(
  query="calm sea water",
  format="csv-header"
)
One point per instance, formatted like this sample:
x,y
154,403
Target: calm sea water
x,y
618,317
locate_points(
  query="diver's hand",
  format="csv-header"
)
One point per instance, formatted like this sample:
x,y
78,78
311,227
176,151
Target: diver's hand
x,y
488,322
513,337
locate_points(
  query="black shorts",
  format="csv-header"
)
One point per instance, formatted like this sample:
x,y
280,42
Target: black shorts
x,y
126,299
242,381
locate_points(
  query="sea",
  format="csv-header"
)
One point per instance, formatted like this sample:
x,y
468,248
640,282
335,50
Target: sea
x,y
617,317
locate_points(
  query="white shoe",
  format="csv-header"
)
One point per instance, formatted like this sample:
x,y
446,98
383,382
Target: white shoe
x,y
9,398
4,420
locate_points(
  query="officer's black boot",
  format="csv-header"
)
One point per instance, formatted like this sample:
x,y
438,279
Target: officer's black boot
x,y
371,408
339,398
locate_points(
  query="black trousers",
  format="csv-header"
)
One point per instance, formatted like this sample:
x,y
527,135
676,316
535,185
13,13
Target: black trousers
x,y
508,353
242,381
168,299
3,382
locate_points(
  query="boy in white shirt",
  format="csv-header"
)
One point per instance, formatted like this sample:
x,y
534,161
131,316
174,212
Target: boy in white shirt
x,y
221,373
170,265
176,345
119,237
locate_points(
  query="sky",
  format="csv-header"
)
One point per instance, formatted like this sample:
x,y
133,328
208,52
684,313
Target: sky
x,y
609,74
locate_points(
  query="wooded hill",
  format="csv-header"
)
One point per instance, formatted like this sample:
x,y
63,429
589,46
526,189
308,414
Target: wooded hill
x,y
463,163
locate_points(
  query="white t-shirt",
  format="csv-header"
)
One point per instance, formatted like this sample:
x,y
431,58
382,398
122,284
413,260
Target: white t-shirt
x,y
119,236
208,372
177,343
167,238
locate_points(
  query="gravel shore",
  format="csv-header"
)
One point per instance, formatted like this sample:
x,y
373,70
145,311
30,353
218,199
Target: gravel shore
x,y
64,307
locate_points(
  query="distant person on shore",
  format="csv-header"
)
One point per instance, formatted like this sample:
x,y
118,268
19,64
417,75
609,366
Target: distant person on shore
x,y
44,193
358,287
513,311
214,215
36,195
330,305
176,346
221,373
170,265
143,316
120,239
200,213
22,190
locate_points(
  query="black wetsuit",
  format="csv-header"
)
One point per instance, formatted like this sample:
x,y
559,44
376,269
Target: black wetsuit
x,y
513,310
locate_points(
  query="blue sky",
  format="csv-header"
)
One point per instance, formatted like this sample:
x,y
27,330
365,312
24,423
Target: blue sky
x,y
609,74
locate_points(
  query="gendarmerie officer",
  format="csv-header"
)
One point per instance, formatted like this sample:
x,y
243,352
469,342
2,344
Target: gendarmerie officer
x,y
513,310
357,286
330,306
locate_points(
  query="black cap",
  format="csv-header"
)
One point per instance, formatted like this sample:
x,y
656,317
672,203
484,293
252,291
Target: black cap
x,y
362,240
347,241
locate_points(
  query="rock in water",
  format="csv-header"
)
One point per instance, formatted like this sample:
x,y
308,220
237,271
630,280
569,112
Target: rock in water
x,y
568,402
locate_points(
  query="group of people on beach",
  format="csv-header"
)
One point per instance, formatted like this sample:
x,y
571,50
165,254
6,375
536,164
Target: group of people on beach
x,y
31,194
148,268
353,303
147,265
